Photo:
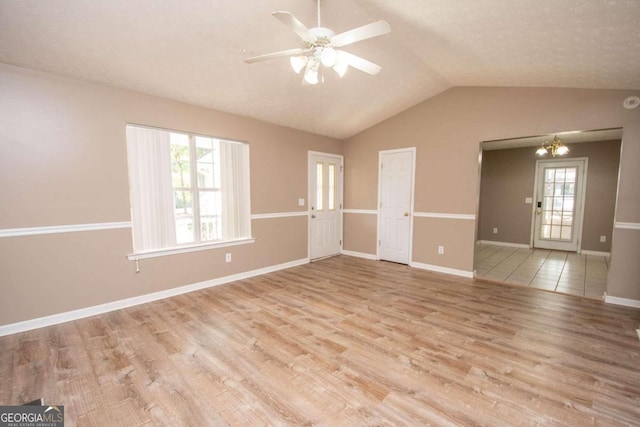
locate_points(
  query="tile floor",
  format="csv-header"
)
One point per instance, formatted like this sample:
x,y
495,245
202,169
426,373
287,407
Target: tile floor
x,y
558,271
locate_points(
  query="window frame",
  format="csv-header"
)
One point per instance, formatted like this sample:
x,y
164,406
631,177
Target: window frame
x,y
197,244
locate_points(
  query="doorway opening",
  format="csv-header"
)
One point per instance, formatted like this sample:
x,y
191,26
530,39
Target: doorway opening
x,y
542,223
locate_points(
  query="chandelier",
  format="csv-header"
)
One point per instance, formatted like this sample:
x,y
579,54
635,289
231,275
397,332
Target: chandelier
x,y
555,147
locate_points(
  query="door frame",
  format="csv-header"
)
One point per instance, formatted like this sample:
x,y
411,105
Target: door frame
x,y
579,216
340,157
411,207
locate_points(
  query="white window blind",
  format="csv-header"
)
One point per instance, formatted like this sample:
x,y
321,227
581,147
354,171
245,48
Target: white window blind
x,y
186,189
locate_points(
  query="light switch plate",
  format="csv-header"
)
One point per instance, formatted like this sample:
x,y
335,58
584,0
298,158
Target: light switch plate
x,y
528,200
300,202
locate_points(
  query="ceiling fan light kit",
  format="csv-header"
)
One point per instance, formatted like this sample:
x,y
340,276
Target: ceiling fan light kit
x,y
319,47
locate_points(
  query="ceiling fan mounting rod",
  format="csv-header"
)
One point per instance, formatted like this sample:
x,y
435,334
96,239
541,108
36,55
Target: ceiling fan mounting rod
x,y
318,13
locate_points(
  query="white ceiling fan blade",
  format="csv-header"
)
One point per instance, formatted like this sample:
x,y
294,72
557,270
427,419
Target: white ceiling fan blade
x,y
359,63
294,24
280,54
368,31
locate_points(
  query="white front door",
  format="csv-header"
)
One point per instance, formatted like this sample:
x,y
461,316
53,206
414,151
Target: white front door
x,y
395,204
325,205
559,204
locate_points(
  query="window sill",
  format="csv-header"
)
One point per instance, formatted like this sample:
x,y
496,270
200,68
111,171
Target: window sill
x,y
192,248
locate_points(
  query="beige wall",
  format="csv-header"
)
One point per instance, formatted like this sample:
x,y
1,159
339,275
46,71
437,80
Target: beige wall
x,y
447,130
508,177
63,161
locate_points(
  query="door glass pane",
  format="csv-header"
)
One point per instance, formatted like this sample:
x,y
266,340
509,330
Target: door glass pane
x,y
319,185
549,175
569,189
332,187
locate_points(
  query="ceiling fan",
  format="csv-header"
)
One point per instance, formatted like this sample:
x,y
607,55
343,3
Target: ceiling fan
x,y
320,47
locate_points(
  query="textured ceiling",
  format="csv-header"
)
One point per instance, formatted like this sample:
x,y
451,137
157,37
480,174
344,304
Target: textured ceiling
x,y
193,51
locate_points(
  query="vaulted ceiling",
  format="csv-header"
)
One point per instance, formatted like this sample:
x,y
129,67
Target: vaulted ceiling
x,y
194,50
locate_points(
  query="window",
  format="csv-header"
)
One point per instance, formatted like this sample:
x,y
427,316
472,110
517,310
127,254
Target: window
x,y
186,189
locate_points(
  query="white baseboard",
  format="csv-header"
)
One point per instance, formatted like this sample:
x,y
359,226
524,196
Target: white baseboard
x,y
55,319
439,269
523,246
359,254
507,244
622,301
595,253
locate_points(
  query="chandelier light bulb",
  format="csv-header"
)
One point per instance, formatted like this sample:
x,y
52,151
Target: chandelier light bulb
x,y
341,65
329,56
298,63
311,73
311,77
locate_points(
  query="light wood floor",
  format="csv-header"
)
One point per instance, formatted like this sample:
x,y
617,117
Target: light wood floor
x,y
340,342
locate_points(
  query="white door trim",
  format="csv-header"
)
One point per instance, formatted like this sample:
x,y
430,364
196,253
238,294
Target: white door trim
x,y
579,216
339,157
413,186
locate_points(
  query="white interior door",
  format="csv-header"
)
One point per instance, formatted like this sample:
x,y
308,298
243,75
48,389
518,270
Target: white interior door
x,y
396,205
325,205
559,204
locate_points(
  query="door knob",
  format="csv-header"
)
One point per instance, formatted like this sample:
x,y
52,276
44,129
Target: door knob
x,y
406,214
313,216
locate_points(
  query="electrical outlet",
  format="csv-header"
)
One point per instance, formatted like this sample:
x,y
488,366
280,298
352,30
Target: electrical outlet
x,y
495,231
603,239
440,250
300,202
227,258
